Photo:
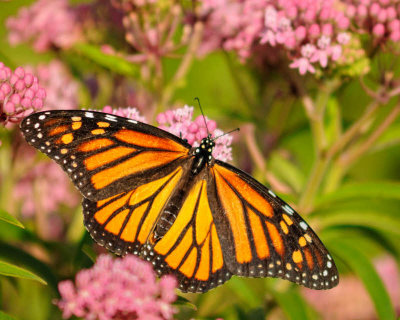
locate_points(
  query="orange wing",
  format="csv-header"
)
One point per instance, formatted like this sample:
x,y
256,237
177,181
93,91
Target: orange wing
x,y
263,236
103,154
191,248
124,222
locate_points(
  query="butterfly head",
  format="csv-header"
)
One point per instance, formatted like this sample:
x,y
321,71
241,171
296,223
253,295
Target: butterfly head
x,y
207,144
205,149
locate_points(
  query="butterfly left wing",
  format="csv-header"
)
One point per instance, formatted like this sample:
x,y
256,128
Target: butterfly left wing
x,y
104,154
263,236
123,222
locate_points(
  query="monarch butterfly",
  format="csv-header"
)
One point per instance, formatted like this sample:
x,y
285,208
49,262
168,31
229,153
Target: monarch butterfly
x,y
150,193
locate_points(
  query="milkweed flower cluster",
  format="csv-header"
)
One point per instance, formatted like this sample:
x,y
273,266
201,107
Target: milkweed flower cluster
x,y
379,18
312,32
20,94
61,89
232,25
43,179
123,288
179,122
47,23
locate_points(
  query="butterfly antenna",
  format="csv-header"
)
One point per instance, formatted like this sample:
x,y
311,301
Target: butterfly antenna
x,y
202,113
224,134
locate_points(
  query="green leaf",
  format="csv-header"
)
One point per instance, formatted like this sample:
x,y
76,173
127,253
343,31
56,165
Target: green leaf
x,y
389,138
378,220
378,189
90,253
182,301
10,270
5,316
287,171
111,62
17,256
348,251
245,292
10,219
292,304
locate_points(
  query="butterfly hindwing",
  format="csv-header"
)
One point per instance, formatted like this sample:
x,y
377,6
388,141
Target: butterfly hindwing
x,y
263,236
191,248
104,154
123,222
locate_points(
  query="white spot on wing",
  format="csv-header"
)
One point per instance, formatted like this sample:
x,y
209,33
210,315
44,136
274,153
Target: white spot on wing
x,y
271,193
110,118
89,114
288,209
303,225
42,117
132,121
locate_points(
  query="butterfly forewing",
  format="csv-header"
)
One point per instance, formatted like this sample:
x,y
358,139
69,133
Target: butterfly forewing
x,y
269,238
104,154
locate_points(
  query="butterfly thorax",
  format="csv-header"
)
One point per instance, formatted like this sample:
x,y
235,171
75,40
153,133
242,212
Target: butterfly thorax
x,y
203,154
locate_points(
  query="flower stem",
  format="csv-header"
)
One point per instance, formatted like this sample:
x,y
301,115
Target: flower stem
x,y
184,66
352,155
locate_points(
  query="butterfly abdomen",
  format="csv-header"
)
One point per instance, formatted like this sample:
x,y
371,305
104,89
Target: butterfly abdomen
x,y
172,208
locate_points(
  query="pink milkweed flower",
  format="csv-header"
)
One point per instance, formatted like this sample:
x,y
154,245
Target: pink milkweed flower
x,y
179,122
20,94
62,90
121,288
34,188
46,23
292,25
374,18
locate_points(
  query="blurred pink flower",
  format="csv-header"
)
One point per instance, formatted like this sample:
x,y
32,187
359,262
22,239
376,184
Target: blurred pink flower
x,y
61,88
380,19
44,188
232,25
288,26
349,300
20,94
179,122
47,23
295,26
121,288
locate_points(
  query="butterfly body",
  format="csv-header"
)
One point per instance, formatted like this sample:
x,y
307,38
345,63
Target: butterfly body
x,y
150,193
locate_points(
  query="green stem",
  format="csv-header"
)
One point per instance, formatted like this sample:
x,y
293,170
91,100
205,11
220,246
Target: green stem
x,y
354,130
184,66
316,113
313,184
239,84
352,155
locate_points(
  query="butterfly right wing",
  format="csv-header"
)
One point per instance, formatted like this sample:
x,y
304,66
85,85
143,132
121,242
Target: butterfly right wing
x,y
103,154
263,236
